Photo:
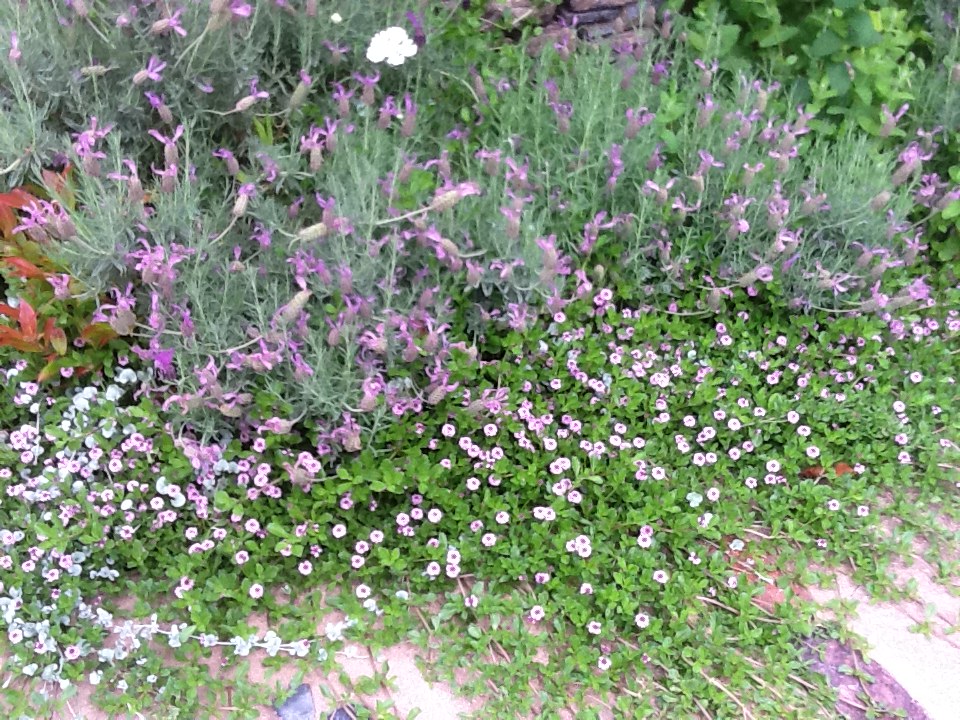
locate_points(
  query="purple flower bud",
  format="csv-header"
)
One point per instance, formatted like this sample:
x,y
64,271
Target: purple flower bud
x,y
14,55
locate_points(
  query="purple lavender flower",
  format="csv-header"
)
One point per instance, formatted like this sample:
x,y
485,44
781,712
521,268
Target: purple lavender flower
x,y
152,72
419,35
14,54
233,167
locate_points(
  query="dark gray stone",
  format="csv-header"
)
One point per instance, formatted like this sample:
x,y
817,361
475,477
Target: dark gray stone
x,y
589,17
342,714
298,706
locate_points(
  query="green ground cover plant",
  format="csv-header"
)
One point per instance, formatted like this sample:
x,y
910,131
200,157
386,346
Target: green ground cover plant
x,y
581,362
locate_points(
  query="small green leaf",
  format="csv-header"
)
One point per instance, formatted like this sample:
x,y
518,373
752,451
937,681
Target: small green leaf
x,y
729,34
860,30
826,43
839,77
952,210
474,632
778,36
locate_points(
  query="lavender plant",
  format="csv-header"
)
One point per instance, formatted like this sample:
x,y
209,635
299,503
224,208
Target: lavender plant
x,y
279,231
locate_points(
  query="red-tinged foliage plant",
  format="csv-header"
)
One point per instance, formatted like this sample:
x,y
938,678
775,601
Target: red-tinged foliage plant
x,y
49,318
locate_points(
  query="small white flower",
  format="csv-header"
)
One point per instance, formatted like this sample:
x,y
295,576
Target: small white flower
x,y
392,46
336,19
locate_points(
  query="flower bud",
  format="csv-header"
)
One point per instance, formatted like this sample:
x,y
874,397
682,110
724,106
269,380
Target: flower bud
x,y
91,166
240,206
313,232
762,98
299,95
292,309
649,16
368,402
316,158
698,183
715,300
94,71
449,247
445,201
140,77
903,173
955,74
165,113
135,192
170,154
245,103
880,200
217,21
160,26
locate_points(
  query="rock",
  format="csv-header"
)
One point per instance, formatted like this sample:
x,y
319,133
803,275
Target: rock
x,y
550,35
298,706
589,17
522,10
342,713
587,5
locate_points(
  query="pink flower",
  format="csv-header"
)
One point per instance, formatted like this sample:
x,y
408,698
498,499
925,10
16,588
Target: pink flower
x,y
660,576
305,567
256,591
363,592
537,613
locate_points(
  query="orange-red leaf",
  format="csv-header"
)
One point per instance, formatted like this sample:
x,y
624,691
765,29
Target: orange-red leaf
x,y
17,199
18,342
58,339
24,268
98,334
10,312
55,336
27,320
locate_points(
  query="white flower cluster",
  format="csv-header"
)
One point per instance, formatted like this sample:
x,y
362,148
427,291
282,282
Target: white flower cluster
x,y
392,46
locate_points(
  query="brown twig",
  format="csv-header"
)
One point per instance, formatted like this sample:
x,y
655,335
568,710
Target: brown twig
x,y
722,688
707,715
